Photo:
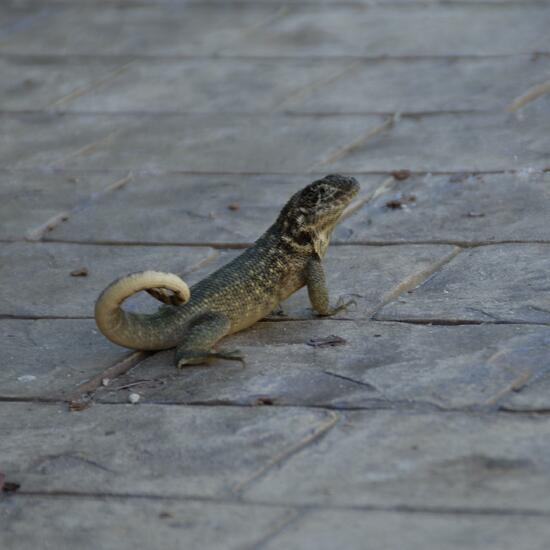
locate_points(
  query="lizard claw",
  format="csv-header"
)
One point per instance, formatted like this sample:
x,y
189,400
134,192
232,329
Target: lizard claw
x,y
339,307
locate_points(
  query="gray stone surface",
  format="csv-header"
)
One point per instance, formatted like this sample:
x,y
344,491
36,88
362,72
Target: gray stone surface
x,y
424,85
169,451
117,85
182,209
29,201
500,283
52,291
29,83
245,144
429,30
202,143
272,30
457,208
497,462
358,530
146,29
466,142
158,124
50,358
379,365
63,522
223,85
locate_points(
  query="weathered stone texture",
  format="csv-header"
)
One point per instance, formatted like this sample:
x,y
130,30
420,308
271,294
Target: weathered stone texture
x,y
416,460
494,284
361,530
378,365
245,143
65,522
53,291
169,451
466,208
50,358
181,209
29,202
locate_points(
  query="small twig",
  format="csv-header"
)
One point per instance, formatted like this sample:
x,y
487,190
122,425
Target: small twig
x,y
358,143
530,95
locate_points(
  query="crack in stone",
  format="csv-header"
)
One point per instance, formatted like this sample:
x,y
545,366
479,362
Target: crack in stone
x,y
294,516
350,148
365,384
398,508
414,280
319,431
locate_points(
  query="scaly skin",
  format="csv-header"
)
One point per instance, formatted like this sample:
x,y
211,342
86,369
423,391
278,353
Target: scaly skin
x,y
285,258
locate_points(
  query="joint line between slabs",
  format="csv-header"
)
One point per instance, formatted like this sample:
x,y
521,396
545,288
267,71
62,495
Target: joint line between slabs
x,y
285,455
415,280
399,508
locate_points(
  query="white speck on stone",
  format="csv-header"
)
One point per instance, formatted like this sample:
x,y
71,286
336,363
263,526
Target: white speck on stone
x,y
105,381
26,378
527,173
134,398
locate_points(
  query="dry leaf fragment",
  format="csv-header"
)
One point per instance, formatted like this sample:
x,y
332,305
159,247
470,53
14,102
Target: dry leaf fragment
x,y
80,272
401,175
326,342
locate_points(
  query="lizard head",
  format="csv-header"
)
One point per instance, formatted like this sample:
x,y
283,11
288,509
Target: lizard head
x,y
313,212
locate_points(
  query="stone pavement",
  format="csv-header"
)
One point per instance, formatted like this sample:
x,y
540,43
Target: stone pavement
x,y
167,134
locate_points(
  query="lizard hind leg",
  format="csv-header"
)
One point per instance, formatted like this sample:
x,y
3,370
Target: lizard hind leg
x,y
200,336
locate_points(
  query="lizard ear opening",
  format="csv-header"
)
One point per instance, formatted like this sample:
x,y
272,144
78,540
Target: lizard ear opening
x,y
303,238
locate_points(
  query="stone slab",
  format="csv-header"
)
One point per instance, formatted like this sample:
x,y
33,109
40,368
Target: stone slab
x,y
277,143
203,143
37,83
457,208
271,30
379,365
499,283
150,449
44,140
51,358
424,85
146,29
390,458
232,209
125,524
52,291
199,86
455,142
361,530
29,201
123,84
183,209
395,31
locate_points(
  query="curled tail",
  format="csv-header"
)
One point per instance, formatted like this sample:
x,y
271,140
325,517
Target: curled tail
x,y
141,331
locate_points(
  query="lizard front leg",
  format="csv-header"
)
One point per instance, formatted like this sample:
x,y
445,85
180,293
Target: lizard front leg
x,y
199,337
318,292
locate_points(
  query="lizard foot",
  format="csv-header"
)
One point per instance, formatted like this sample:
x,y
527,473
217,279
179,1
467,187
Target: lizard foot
x,y
185,359
339,307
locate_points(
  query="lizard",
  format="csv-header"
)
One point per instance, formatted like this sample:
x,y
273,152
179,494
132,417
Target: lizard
x,y
287,257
